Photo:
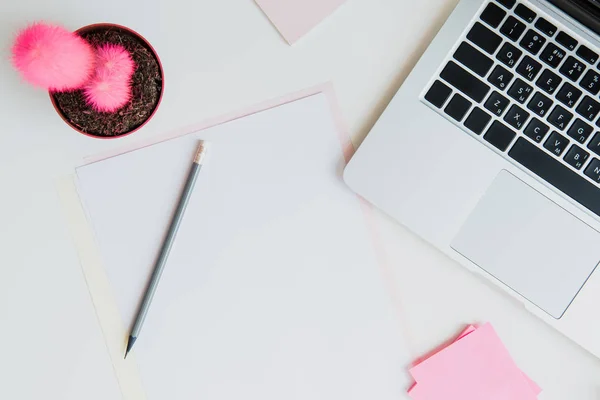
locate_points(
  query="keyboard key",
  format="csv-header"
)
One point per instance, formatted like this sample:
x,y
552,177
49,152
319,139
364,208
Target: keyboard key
x,y
499,135
591,82
437,94
493,15
556,143
464,81
588,108
516,116
525,13
484,38
529,68
496,103
556,174
568,94
473,59
548,81
572,68
539,104
520,91
536,130
500,77
512,28
507,3
552,55
587,54
509,54
576,157
593,170
559,117
457,107
532,41
580,131
477,120
566,40
545,26
594,144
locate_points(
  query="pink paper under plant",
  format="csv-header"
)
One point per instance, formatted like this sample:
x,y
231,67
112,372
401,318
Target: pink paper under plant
x,y
51,57
110,87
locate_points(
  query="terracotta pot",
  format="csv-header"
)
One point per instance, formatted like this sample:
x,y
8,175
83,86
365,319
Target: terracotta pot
x,y
101,26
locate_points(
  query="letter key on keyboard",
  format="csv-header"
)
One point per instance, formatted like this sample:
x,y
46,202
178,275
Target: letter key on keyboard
x,y
539,104
529,68
536,130
548,81
556,143
588,108
559,117
593,170
580,131
568,94
496,103
509,54
576,157
500,77
520,91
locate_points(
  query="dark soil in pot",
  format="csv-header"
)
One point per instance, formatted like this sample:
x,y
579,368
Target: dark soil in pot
x,y
147,86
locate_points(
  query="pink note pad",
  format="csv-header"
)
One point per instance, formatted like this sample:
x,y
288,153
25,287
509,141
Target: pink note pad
x,y
534,386
475,366
294,18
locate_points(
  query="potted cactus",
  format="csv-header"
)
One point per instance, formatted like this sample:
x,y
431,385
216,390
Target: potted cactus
x,y
104,80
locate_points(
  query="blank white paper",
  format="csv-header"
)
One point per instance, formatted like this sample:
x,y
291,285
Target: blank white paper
x,y
272,289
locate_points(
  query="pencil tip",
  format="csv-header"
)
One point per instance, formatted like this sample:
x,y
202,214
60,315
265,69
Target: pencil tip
x,y
130,343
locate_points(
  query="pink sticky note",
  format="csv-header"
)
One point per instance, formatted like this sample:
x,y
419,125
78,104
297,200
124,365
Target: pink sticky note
x,y
294,18
534,386
476,366
471,328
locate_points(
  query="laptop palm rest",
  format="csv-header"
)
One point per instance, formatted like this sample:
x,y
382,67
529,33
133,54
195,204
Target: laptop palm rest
x,y
529,243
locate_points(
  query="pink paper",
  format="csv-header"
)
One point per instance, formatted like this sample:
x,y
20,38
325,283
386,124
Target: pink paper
x,y
294,18
475,366
471,328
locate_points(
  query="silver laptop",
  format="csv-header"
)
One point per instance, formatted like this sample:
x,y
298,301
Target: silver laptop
x,y
490,151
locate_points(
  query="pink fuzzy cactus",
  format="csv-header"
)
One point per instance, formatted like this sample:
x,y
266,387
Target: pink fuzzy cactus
x,y
107,94
53,58
114,59
110,87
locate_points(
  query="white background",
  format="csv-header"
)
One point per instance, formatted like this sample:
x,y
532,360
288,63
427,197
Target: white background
x,y
220,56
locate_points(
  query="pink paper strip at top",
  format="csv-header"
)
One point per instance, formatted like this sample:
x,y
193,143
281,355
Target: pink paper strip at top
x,y
294,18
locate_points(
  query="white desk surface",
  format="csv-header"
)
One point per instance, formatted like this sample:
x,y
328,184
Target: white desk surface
x,y
220,56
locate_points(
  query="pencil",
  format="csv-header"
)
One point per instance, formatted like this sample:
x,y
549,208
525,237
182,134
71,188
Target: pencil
x,y
161,261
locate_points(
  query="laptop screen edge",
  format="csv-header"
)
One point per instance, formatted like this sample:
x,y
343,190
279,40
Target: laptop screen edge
x,y
586,12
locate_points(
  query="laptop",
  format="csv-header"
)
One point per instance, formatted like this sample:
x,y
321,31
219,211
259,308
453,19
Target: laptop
x,y
490,151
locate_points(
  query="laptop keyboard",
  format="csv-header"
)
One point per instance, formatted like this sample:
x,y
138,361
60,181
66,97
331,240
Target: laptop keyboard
x,y
529,90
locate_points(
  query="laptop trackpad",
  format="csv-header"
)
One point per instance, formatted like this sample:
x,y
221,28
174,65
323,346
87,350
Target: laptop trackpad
x,y
530,244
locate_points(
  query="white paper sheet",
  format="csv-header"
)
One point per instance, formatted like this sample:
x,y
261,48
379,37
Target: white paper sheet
x,y
51,345
272,290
